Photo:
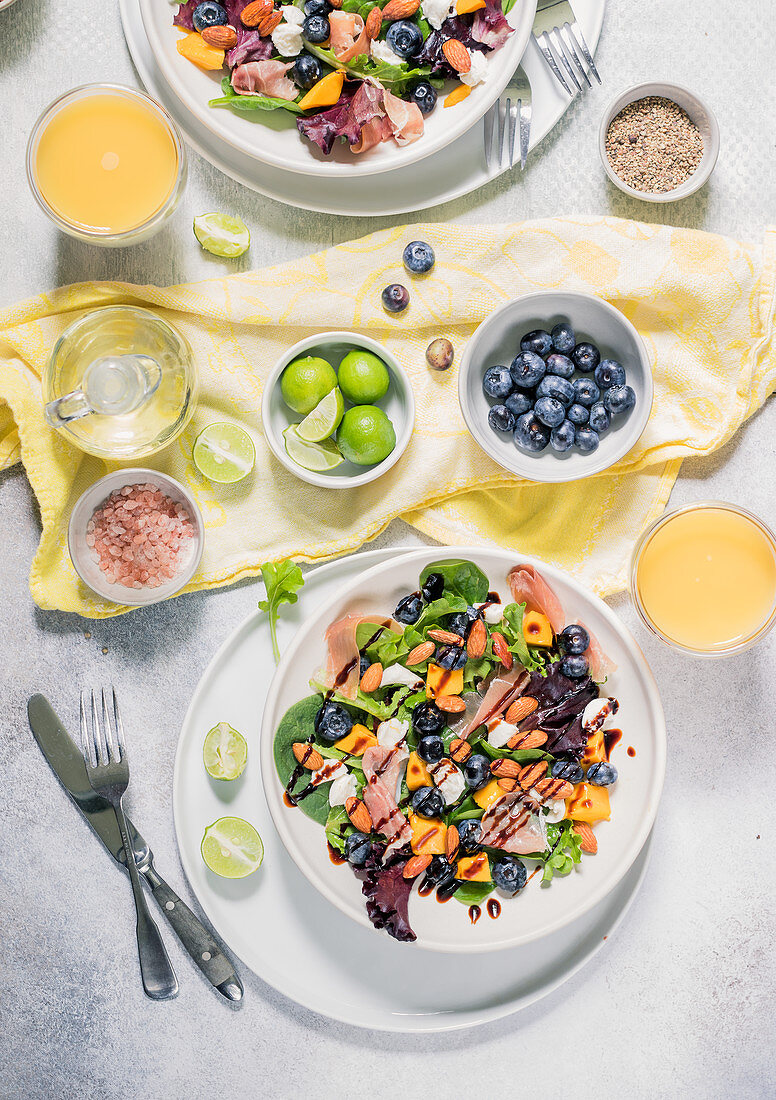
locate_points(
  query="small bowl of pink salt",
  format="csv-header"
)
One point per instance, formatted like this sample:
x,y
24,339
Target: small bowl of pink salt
x,y
136,536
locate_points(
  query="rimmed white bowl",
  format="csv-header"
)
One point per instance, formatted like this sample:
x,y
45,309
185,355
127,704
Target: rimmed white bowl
x,y
538,911
699,112
81,555
497,340
398,404
276,141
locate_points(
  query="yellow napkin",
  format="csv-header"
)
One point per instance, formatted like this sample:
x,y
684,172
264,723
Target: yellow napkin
x,y
704,304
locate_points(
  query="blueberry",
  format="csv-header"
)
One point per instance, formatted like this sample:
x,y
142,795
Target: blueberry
x,y
431,748
573,640
441,871
568,770
599,417
497,382
560,365
433,587
559,388
587,440
609,373
539,342
409,609
307,70
510,875
317,7
332,722
603,774
563,338
586,357
501,419
619,399
209,14
428,802
405,38
530,433
418,257
316,29
527,370
550,411
458,623
574,666
469,833
518,403
395,297
451,657
425,96
562,438
476,771
358,847
427,718
578,414
363,664
585,391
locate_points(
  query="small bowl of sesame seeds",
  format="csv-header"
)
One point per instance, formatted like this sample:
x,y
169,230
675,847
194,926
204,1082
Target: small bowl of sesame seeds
x,y
658,142
136,537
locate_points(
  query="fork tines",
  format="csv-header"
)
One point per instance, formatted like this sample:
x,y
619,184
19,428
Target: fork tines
x,y
104,741
561,47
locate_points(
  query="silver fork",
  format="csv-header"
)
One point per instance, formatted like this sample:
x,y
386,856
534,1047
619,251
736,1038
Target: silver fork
x,y
107,767
561,42
513,107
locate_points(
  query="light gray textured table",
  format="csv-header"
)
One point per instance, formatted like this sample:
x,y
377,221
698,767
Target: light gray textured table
x,y
680,1003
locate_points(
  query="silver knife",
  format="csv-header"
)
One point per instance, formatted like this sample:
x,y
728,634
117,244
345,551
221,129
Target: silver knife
x,y
67,763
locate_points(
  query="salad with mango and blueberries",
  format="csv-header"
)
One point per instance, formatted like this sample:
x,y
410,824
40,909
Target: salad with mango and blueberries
x,y
451,743
347,69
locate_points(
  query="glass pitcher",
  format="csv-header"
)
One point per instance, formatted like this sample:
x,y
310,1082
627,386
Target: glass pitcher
x,y
120,383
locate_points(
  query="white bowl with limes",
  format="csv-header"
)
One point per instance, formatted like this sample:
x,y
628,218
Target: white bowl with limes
x,y
330,470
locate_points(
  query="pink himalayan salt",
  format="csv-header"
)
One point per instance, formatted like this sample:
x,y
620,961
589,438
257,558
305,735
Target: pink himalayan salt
x,y
139,536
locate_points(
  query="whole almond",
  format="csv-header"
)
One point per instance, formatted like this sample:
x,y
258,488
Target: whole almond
x,y
307,756
588,842
451,704
550,788
520,709
460,750
253,13
223,38
452,842
372,678
500,647
373,23
531,774
477,640
446,637
425,650
358,814
531,739
415,866
337,4
269,22
400,9
505,769
456,53
509,785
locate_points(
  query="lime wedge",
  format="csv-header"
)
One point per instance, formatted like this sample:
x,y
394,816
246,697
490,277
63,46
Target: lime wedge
x,y
225,752
222,235
311,456
232,848
324,419
224,453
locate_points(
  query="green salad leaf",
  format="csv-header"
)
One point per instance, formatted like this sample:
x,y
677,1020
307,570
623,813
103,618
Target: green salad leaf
x,y
230,98
338,828
282,582
473,893
520,756
461,577
507,5
530,657
393,77
297,724
564,850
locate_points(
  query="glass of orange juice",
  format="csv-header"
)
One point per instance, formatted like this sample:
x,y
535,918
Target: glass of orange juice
x,y
703,578
106,163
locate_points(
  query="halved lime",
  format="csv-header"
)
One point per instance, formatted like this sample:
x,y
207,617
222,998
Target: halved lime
x,y
225,752
311,456
224,453
323,420
232,848
222,235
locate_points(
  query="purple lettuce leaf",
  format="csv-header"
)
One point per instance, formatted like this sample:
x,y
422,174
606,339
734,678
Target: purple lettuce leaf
x,y
184,17
561,703
456,26
388,894
490,25
250,47
359,103
185,13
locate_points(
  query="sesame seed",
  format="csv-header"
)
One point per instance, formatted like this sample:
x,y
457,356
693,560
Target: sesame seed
x,y
653,145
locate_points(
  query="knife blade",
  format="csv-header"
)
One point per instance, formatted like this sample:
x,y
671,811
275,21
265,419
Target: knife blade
x,y
67,763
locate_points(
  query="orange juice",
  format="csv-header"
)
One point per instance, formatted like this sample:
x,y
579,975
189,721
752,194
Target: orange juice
x,y
705,578
106,160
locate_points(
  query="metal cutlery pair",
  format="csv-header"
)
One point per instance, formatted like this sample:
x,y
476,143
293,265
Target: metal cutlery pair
x,y
96,781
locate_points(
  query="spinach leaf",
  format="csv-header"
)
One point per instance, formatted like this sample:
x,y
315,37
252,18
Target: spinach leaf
x,y
467,808
448,604
463,578
520,756
297,725
507,5
282,582
338,828
254,102
473,893
394,77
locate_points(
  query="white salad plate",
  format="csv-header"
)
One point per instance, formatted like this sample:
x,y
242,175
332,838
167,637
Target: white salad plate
x,y
272,136
290,936
455,170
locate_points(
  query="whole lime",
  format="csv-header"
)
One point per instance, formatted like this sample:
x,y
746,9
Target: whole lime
x,y
305,382
366,435
363,377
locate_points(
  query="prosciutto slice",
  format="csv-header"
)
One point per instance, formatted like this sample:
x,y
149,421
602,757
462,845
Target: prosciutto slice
x,y
382,768
348,35
503,689
512,826
405,118
264,78
341,672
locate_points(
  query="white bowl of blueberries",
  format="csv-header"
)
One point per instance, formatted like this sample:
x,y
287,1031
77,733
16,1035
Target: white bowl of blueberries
x,y
556,386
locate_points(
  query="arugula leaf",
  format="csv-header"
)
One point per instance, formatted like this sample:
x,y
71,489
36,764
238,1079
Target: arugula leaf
x,y
254,102
473,893
282,582
565,850
338,828
379,708
463,578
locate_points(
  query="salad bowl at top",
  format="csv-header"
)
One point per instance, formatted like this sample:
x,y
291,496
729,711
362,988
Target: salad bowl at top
x,y
536,911
275,140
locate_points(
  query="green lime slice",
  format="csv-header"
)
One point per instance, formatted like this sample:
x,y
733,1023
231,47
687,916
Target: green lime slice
x,y
323,420
232,848
222,235
311,456
224,453
225,752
